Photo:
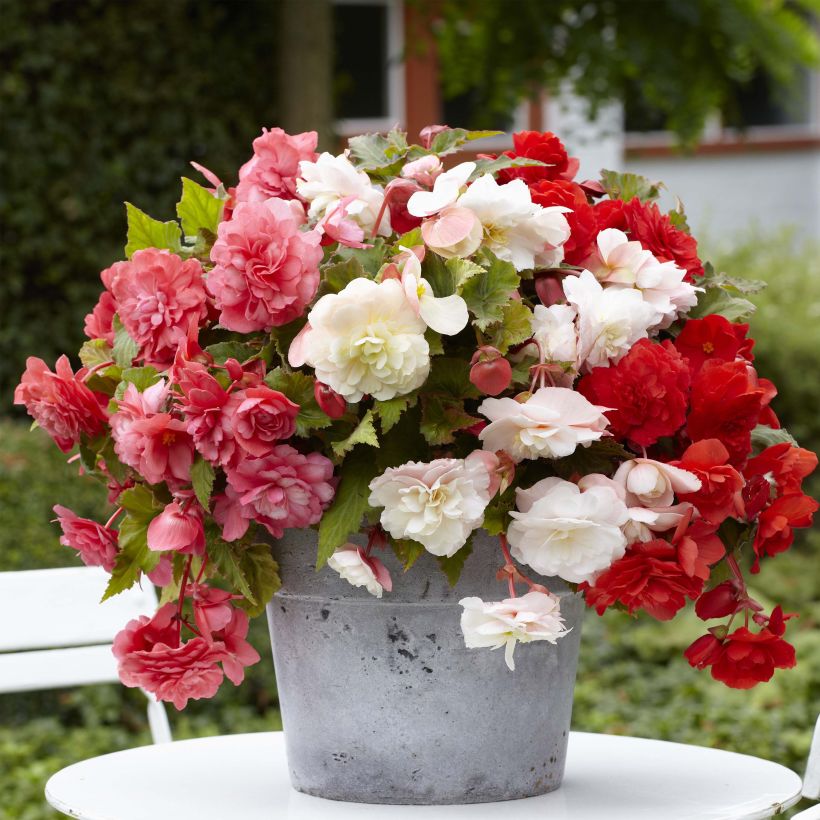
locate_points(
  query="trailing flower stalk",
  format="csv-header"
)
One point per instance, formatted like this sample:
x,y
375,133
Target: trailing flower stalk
x,y
387,344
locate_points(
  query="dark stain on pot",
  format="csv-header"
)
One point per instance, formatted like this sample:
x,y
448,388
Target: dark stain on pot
x,y
427,669
282,608
425,590
411,656
340,757
431,637
396,633
325,613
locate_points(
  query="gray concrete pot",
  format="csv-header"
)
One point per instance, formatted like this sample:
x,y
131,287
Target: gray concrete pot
x,y
382,702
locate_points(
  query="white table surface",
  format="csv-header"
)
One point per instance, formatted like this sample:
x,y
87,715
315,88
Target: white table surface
x,y
246,777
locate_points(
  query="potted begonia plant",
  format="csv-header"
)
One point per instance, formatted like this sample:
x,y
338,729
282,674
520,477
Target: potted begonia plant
x,y
448,403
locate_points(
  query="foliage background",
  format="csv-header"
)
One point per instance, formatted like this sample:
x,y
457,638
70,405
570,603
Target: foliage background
x,y
101,104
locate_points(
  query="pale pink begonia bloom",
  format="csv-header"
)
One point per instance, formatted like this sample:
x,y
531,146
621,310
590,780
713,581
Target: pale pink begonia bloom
x,y
150,440
284,489
158,296
446,190
95,543
549,424
535,616
618,261
336,225
266,267
329,180
424,170
361,570
262,417
652,484
237,653
453,232
515,228
610,320
274,167
445,314
437,504
562,531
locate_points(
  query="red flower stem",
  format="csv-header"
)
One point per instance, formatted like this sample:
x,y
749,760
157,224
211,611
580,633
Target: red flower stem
x,y
509,563
182,588
113,517
97,367
201,569
380,215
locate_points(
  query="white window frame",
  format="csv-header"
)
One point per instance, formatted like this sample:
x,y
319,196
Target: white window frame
x,y
395,73
716,133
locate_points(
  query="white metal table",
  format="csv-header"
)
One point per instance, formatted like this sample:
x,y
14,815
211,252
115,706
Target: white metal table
x,y
246,776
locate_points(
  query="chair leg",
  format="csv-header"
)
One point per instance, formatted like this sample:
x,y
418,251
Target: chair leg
x,y
158,720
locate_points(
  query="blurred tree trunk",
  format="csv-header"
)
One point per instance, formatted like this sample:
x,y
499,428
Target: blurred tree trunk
x,y
305,81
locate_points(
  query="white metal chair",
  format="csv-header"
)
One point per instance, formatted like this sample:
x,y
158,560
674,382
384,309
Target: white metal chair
x,y
811,780
54,632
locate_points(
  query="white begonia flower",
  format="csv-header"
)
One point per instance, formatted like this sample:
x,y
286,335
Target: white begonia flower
x,y
329,180
366,339
535,616
653,484
360,571
446,190
437,504
560,530
620,262
515,228
610,320
555,331
445,314
550,424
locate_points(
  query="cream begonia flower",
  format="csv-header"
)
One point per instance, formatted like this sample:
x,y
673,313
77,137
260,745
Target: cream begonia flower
x,y
437,504
535,616
445,314
366,339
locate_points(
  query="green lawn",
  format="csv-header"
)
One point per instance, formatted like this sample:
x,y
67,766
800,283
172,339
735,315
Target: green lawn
x,y
632,679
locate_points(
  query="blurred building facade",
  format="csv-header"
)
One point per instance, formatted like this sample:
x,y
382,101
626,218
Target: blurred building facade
x,y
763,177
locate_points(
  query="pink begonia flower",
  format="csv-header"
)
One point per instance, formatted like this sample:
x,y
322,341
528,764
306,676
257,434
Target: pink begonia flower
x,y
445,314
549,424
282,490
535,616
99,323
261,417
652,484
336,226
163,573
212,608
95,543
157,296
453,232
424,170
153,442
178,530
204,406
266,268
237,653
274,166
361,570
60,402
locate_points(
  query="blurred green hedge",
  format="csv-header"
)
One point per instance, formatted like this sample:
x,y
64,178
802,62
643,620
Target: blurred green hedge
x,y
105,102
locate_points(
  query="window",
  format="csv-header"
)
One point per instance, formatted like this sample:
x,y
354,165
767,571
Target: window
x,y
368,74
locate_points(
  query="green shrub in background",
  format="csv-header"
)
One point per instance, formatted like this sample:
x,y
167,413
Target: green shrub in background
x,y
106,101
